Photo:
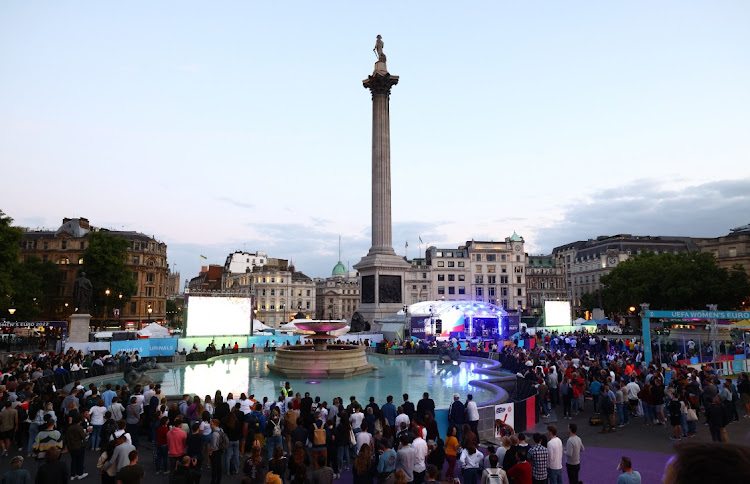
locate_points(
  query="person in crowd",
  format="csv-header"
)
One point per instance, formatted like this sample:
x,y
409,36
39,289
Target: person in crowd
x,y
133,472
53,471
573,449
471,463
628,476
17,474
493,473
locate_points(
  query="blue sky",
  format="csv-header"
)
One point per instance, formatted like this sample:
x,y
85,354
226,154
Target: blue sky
x,y
227,125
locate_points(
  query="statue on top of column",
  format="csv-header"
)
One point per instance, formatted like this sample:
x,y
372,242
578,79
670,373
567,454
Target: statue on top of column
x,y
380,67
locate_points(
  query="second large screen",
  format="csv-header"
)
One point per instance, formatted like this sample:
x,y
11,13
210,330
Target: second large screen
x,y
557,313
217,316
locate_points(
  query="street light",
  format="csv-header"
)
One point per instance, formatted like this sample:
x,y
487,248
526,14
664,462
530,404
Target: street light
x,y
107,292
150,310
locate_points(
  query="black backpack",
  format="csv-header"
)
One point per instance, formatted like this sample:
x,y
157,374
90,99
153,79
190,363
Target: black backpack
x,y
254,423
108,430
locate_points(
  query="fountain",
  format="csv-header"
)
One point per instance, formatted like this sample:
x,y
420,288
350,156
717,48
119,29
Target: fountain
x,y
320,359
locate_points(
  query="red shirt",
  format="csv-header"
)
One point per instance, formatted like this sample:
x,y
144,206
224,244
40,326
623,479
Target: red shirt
x,y
161,435
520,473
177,442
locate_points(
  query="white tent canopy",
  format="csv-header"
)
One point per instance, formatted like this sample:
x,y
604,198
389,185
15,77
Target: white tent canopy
x,y
259,326
579,321
154,330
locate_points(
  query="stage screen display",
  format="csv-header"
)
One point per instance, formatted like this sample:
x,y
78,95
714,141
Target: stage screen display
x,y
557,313
217,316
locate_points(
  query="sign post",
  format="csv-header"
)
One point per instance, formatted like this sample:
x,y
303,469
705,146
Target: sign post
x,y
646,328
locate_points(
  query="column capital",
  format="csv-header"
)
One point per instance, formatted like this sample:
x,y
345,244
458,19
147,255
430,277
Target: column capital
x,y
380,84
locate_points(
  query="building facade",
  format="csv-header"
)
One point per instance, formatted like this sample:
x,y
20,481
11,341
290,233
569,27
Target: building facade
x,y
586,262
146,259
418,280
730,249
448,277
545,281
337,297
498,272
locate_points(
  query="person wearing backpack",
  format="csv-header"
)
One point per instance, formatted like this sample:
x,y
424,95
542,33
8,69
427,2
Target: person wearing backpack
x,y
219,443
495,474
319,438
274,432
256,424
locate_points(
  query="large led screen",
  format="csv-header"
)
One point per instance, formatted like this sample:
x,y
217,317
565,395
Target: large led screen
x,y
217,316
557,313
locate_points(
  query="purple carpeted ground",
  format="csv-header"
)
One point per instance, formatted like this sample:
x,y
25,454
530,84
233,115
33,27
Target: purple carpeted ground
x,y
599,466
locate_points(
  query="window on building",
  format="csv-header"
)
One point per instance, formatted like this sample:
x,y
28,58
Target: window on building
x,y
478,279
533,301
503,279
518,258
461,264
308,305
504,291
136,260
478,268
149,277
733,252
551,284
441,289
64,244
263,305
478,292
281,292
503,257
520,304
504,269
424,286
451,277
492,291
308,293
135,276
80,261
461,277
45,246
273,292
491,280
441,277
478,257
133,307
518,269
83,245
518,279
519,292
451,263
505,304
272,306
543,284
150,291
414,287
461,290
262,292
439,253
491,257
441,263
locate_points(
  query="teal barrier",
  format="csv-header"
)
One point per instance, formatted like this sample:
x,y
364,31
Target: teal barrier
x,y
441,417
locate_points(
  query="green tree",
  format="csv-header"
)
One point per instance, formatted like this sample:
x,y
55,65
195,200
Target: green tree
x,y
588,301
673,281
35,287
10,246
104,263
171,311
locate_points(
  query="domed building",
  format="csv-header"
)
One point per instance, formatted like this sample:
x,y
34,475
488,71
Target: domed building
x,y
337,297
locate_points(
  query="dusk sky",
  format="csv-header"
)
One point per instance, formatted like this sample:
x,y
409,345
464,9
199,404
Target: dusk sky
x,y
236,125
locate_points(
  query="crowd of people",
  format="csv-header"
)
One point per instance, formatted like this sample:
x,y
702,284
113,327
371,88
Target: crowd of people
x,y
294,438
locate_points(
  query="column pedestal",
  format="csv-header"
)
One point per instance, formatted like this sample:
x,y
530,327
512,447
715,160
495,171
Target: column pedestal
x,y
79,328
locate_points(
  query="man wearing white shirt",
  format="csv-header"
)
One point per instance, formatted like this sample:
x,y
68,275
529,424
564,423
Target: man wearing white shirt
x,y
420,449
472,414
356,420
402,417
555,452
364,438
632,389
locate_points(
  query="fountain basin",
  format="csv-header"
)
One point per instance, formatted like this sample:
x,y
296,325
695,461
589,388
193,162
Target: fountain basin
x,y
337,361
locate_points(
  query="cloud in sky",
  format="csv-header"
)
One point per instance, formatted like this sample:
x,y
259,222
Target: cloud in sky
x,y
647,207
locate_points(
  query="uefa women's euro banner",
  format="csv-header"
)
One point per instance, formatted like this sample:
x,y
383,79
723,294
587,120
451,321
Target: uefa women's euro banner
x,y
146,347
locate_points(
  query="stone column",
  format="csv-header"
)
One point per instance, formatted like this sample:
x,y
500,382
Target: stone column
x,y
380,86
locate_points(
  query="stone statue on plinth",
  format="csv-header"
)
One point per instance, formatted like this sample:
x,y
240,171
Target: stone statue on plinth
x,y
82,290
380,67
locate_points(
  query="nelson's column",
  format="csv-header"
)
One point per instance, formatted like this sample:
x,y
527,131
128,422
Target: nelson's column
x,y
381,270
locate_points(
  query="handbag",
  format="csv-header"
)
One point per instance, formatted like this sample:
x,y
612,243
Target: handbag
x,y
352,438
691,415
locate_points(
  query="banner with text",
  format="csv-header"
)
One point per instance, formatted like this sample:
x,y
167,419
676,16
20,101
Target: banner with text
x,y
504,413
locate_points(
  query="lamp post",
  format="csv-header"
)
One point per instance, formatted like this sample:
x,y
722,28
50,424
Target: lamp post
x,y
107,292
150,310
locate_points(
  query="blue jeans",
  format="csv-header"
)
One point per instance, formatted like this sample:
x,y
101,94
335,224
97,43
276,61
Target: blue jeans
x,y
691,427
574,404
232,455
96,436
271,443
162,458
683,423
545,406
33,432
470,475
554,476
622,413
344,452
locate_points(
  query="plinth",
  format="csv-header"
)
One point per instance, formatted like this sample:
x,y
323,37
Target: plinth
x,y
79,328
